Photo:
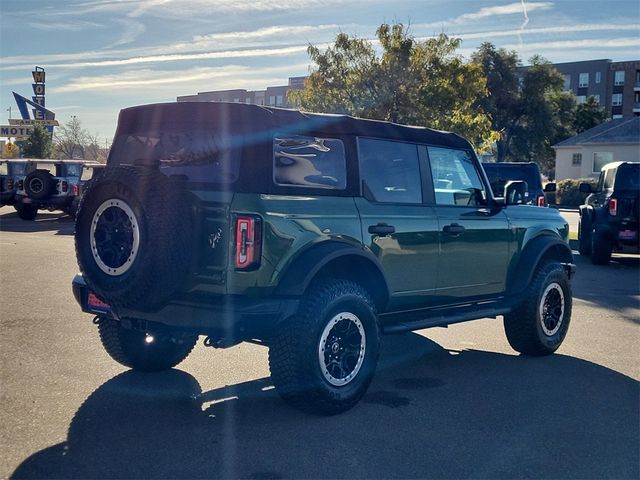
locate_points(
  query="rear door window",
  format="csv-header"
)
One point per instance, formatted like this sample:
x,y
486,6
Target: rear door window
x,y
390,170
309,161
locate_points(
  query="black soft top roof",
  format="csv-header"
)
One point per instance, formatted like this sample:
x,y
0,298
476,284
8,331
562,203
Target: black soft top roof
x,y
242,118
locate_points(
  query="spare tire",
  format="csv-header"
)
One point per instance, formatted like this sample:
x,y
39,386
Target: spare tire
x,y
39,184
134,237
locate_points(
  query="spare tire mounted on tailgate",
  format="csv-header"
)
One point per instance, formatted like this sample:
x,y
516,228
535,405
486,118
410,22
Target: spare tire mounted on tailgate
x,y
133,237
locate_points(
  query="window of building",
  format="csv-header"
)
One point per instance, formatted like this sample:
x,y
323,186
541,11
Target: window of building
x,y
581,99
390,170
279,100
583,80
598,77
576,159
566,85
303,161
600,159
272,99
616,116
619,77
236,100
616,99
455,179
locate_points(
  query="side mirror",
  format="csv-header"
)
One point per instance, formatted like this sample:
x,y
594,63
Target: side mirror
x,y
515,192
585,188
549,188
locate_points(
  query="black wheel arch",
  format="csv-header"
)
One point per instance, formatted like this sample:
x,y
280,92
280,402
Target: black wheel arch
x,y
337,259
536,252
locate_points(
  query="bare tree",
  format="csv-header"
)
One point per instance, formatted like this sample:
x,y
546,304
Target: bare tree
x,y
71,139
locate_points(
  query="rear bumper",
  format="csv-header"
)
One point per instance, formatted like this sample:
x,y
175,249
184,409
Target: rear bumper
x,y
223,316
53,202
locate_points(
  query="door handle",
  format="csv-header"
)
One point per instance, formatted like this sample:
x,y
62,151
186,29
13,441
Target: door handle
x,y
382,229
453,229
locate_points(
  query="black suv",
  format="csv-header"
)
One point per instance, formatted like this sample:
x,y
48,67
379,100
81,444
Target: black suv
x,y
609,216
52,185
500,174
310,234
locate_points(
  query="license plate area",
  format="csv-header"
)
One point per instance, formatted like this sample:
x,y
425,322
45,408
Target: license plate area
x,y
627,235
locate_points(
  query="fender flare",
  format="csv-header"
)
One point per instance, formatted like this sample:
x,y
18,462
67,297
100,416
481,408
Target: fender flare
x,y
530,258
298,275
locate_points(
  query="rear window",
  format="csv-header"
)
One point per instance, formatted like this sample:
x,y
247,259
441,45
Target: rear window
x,y
628,177
201,156
3,169
305,161
500,174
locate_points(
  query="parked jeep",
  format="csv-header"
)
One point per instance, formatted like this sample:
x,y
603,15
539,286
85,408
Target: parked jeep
x,y
609,216
500,174
52,185
310,234
9,170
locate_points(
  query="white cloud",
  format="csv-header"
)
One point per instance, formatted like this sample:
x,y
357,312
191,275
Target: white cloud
x,y
238,76
72,26
132,29
600,43
548,30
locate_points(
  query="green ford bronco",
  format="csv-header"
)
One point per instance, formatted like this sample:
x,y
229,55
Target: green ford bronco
x,y
311,234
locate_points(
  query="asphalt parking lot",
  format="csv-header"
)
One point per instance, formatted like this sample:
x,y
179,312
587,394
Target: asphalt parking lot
x,y
445,403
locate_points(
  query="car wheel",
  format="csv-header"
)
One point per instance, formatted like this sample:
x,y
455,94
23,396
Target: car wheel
x,y
39,184
324,358
584,235
601,249
26,211
134,237
539,324
141,350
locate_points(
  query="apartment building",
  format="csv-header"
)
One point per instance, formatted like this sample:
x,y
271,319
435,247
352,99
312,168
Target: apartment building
x,y
273,96
615,85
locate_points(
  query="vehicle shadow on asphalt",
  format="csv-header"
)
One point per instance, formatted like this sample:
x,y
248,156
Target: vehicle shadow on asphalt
x,y
429,413
615,286
45,221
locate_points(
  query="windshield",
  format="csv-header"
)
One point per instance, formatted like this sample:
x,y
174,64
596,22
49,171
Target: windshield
x,y
500,174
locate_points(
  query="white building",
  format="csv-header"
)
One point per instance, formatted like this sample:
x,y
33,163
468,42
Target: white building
x,y
584,155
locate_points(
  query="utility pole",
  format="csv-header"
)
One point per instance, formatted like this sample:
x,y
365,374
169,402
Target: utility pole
x,y
9,110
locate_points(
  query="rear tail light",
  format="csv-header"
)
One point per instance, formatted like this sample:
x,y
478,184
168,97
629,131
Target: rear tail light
x,y
76,190
613,206
65,186
248,242
10,184
540,201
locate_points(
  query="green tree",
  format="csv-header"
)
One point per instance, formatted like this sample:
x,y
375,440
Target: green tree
x,y
527,106
39,144
413,82
588,115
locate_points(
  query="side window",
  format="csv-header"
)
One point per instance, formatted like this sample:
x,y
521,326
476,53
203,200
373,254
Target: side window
x,y
87,173
312,162
609,177
390,170
455,178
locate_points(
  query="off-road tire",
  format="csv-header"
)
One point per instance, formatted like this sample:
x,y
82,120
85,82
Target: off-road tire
x,y
601,249
26,211
130,348
525,327
158,209
584,235
39,184
295,353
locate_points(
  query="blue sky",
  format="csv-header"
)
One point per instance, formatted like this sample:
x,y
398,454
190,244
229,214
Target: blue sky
x,y
103,55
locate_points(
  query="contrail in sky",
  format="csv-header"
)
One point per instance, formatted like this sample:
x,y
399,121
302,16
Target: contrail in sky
x,y
524,24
